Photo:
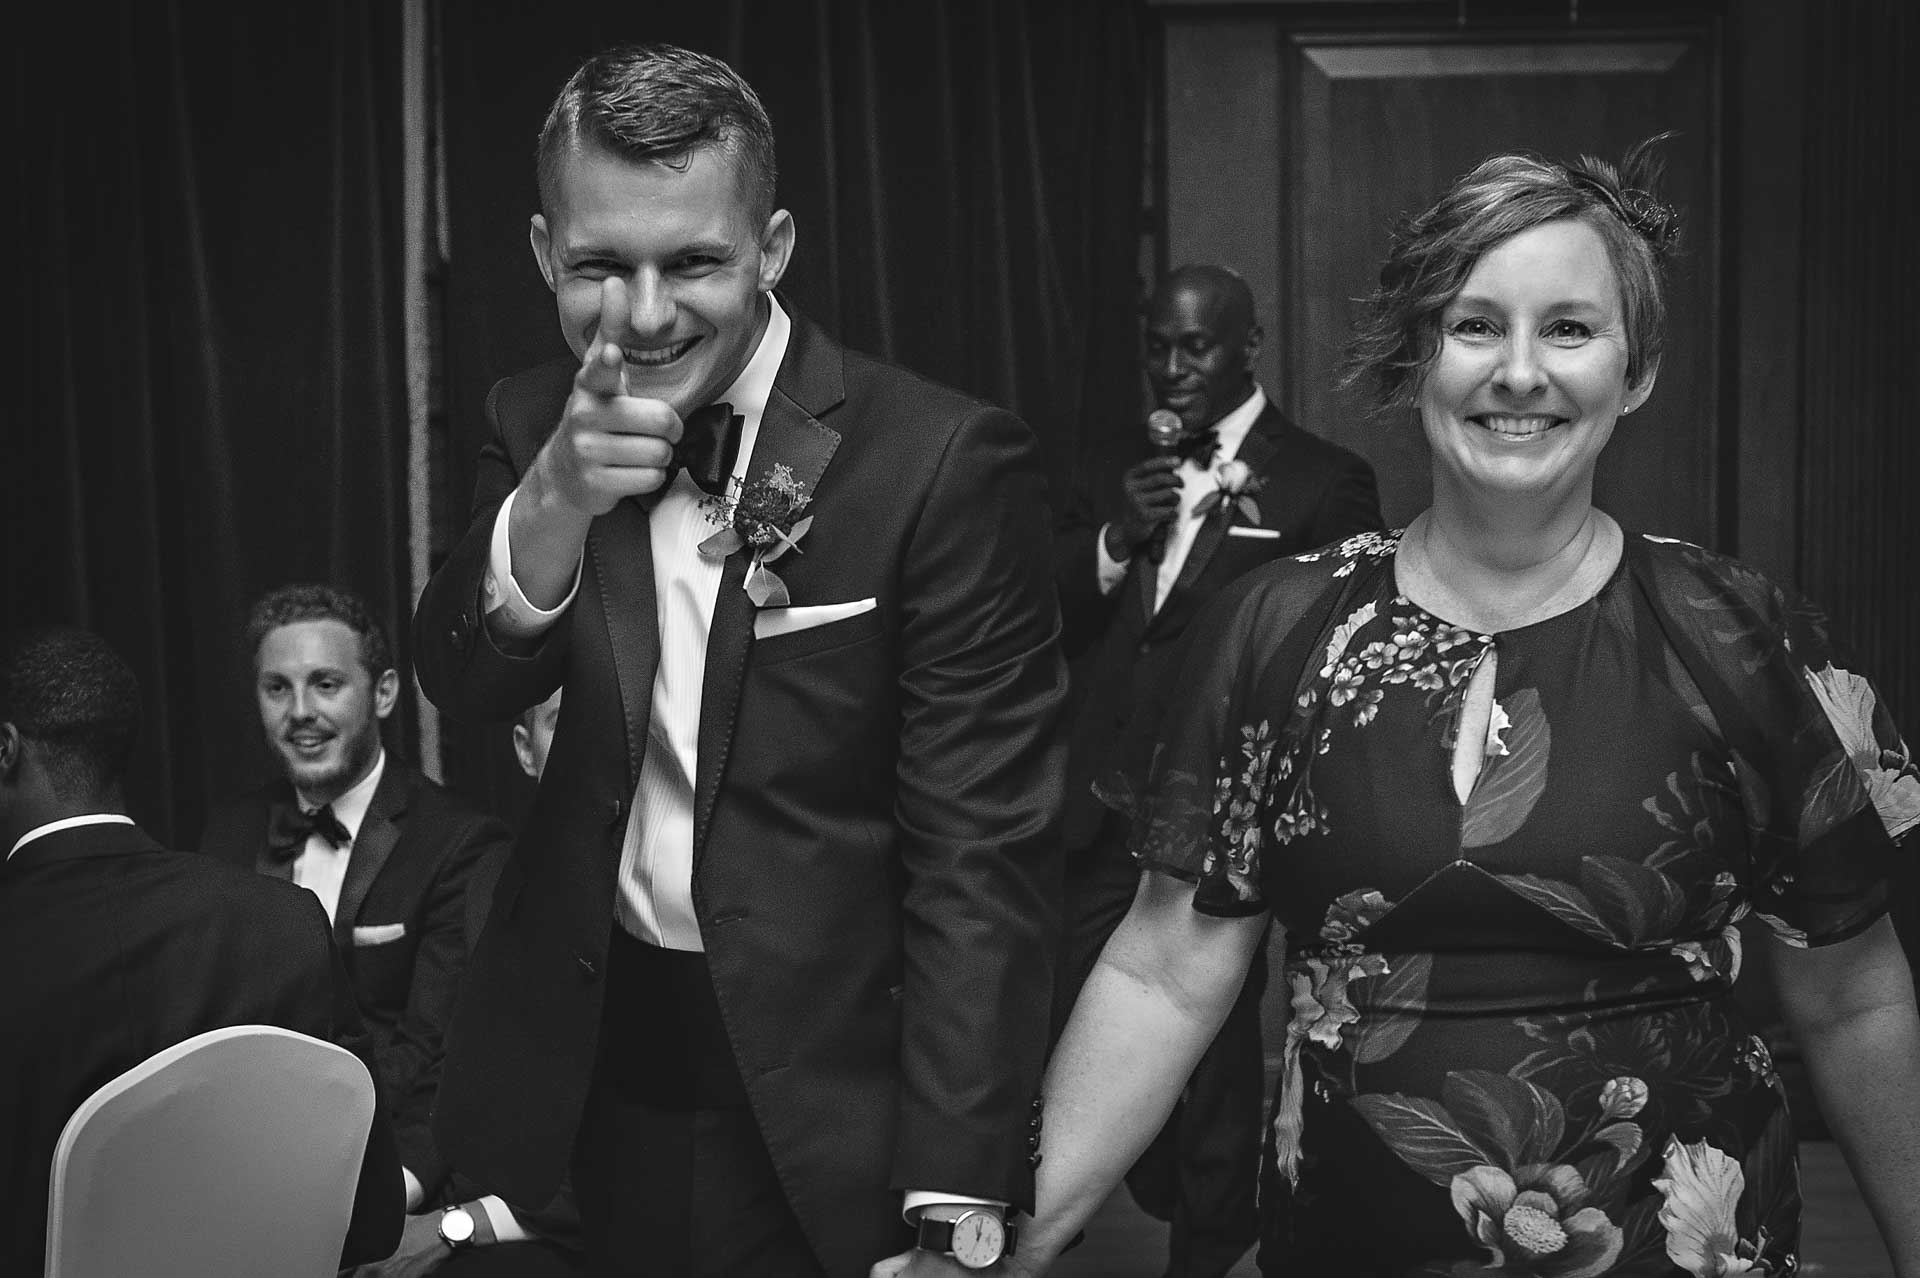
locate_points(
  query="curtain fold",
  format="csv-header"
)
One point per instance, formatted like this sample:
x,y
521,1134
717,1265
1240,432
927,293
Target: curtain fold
x,y
207,217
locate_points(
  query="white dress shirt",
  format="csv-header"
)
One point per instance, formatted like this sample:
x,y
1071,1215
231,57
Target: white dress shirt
x,y
656,859
1195,484
321,868
67,823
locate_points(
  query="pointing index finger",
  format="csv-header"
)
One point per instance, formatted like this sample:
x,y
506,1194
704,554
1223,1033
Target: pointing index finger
x,y
604,370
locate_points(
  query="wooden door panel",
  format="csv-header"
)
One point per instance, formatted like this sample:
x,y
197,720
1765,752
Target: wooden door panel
x,y
1378,125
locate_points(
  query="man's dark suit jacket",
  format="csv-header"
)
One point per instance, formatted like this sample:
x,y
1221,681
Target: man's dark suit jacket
x,y
1125,662
874,873
115,949
411,858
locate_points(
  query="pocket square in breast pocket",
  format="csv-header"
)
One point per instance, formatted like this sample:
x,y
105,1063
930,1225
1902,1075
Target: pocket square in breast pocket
x,y
1259,534
379,933
769,622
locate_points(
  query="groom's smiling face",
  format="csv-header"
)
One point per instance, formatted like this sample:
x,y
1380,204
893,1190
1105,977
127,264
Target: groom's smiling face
x,y
696,261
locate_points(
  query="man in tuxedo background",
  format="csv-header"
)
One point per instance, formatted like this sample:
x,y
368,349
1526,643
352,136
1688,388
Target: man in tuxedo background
x,y
775,943
115,949
1135,564
386,852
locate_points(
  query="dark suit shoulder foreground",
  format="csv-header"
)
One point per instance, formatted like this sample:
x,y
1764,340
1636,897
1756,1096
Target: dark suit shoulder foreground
x,y
116,949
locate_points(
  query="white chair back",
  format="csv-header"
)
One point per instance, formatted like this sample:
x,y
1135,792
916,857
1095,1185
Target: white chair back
x,y
234,1154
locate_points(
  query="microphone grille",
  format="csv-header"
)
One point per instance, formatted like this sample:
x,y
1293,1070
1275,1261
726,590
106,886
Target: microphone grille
x,y
1164,428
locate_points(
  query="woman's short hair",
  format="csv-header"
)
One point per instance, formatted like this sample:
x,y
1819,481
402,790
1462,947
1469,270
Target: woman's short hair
x,y
1398,333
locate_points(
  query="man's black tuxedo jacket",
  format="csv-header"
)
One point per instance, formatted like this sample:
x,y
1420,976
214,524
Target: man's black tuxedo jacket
x,y
113,950
1125,662
875,875
410,863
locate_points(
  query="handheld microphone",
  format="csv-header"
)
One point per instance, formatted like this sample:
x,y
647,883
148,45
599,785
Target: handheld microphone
x,y
1164,430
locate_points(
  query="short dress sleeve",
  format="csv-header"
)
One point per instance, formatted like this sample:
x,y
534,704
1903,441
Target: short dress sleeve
x,y
1200,785
1831,790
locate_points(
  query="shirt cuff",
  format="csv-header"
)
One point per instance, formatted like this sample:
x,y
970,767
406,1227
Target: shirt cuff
x,y
509,613
918,1198
416,1192
506,1226
1111,571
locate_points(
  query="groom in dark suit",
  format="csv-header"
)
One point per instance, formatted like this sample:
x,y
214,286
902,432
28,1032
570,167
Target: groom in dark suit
x,y
770,962
1135,564
115,949
387,852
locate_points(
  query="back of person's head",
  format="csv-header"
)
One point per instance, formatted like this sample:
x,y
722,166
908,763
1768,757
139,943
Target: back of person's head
x,y
658,104
1434,251
305,601
74,702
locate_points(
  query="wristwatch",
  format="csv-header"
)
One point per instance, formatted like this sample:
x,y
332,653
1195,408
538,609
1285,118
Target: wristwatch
x,y
976,1238
456,1227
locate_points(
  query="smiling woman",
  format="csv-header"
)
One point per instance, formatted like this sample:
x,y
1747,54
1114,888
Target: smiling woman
x,y
1508,779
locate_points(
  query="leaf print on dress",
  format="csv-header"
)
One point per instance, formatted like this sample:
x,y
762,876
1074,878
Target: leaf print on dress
x,y
1513,780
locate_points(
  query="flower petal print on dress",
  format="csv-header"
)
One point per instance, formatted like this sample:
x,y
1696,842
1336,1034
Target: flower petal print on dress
x,y
1892,781
1702,1188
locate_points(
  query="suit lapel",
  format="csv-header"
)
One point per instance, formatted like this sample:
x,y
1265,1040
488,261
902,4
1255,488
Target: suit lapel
x,y
789,436
1256,450
372,845
620,551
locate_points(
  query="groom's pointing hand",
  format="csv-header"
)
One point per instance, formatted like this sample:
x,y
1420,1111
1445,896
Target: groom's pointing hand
x,y
609,444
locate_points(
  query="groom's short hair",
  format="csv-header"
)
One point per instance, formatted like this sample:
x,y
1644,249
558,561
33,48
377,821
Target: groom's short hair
x,y
658,104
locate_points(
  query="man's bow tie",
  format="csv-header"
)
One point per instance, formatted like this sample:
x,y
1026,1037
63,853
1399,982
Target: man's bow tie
x,y
708,447
1199,446
288,831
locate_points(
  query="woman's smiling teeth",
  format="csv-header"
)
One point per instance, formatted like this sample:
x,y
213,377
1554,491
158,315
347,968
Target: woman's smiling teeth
x,y
655,357
1510,427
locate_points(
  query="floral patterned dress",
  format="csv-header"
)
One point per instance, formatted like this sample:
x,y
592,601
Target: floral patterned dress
x,y
1513,1048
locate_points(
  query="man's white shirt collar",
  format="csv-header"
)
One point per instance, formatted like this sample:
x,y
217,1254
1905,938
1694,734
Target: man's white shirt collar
x,y
1232,429
68,823
350,809
749,392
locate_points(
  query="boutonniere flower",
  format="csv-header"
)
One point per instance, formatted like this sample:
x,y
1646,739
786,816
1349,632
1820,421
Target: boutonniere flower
x,y
768,515
1235,485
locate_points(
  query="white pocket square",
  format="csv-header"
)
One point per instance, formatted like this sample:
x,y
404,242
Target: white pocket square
x,y
769,622
378,933
1264,534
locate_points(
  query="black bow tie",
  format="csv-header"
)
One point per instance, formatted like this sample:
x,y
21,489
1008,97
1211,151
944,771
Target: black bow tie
x,y
289,828
1199,446
709,447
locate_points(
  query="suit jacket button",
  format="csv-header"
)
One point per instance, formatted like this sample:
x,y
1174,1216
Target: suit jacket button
x,y
1033,1160
615,811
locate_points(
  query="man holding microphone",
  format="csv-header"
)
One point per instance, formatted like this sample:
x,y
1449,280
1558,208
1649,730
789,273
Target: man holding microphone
x,y
1228,483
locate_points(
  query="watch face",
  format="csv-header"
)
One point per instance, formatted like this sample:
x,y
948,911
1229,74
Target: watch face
x,y
978,1239
456,1225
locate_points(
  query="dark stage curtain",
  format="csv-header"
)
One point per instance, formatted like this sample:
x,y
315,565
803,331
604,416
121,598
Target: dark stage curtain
x,y
1860,442
206,219
964,175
